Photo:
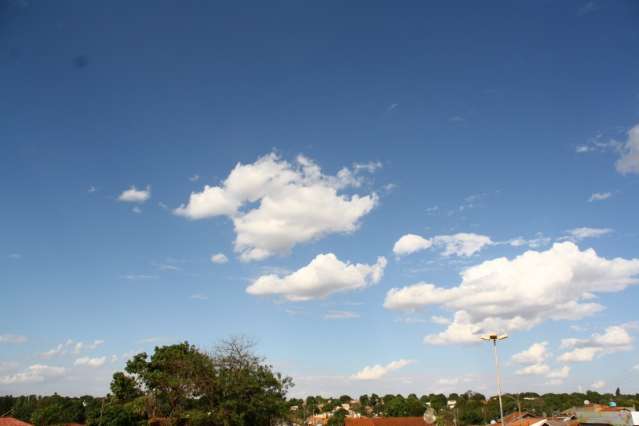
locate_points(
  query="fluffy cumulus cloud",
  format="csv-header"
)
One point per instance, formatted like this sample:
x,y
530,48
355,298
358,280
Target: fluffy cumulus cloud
x,y
516,294
615,338
535,354
90,362
375,372
629,160
598,385
410,243
33,374
134,195
326,274
275,205
461,244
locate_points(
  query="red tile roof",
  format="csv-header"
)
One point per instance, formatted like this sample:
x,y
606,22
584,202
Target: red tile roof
x,y
10,421
385,421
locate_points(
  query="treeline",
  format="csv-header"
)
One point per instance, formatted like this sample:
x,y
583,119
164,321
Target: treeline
x,y
231,386
177,385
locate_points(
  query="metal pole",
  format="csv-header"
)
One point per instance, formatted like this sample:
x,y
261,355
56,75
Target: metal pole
x,y
501,407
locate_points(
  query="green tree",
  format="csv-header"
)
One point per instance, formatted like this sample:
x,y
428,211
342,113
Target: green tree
x,y
124,388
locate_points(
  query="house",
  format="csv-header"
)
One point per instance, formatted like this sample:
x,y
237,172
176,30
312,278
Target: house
x,y
10,421
386,421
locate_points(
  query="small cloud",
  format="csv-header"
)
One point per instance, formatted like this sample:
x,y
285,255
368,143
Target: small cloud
x,y
199,296
432,210
138,277
163,206
340,315
194,178
92,189
578,234
599,196
391,107
152,339
136,210
15,256
378,371
457,119
12,338
452,381
219,258
90,362
133,195
599,384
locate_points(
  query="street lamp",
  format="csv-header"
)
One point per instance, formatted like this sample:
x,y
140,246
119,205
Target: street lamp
x,y
493,338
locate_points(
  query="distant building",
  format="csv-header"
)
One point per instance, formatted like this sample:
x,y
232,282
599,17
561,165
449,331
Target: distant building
x,y
386,421
10,421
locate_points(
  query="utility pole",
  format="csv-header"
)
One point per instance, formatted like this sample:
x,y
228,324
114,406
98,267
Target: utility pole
x,y
494,338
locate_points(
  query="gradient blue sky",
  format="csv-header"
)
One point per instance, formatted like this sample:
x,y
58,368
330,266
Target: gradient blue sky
x,y
499,120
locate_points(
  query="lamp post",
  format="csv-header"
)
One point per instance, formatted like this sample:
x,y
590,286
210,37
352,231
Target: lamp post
x,y
494,338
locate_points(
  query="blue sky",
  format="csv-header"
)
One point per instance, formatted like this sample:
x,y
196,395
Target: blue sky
x,y
325,134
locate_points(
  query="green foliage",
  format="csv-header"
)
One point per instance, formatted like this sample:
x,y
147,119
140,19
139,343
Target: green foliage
x,y
124,388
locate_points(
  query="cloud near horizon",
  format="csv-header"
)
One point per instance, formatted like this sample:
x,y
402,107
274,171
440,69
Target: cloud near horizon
x,y
517,294
614,339
275,205
324,275
377,371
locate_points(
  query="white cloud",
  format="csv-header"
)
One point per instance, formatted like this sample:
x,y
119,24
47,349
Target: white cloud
x,y
275,205
535,354
533,369
440,320
597,385
578,234
92,189
71,347
199,296
33,374
538,241
138,277
599,196
326,274
339,315
615,339
12,338
378,371
133,195
410,243
559,374
510,295
448,381
629,160
90,362
136,210
194,178
219,258
461,244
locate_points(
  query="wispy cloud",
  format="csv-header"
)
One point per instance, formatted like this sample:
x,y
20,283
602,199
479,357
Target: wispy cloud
x,y
12,338
599,196
340,315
